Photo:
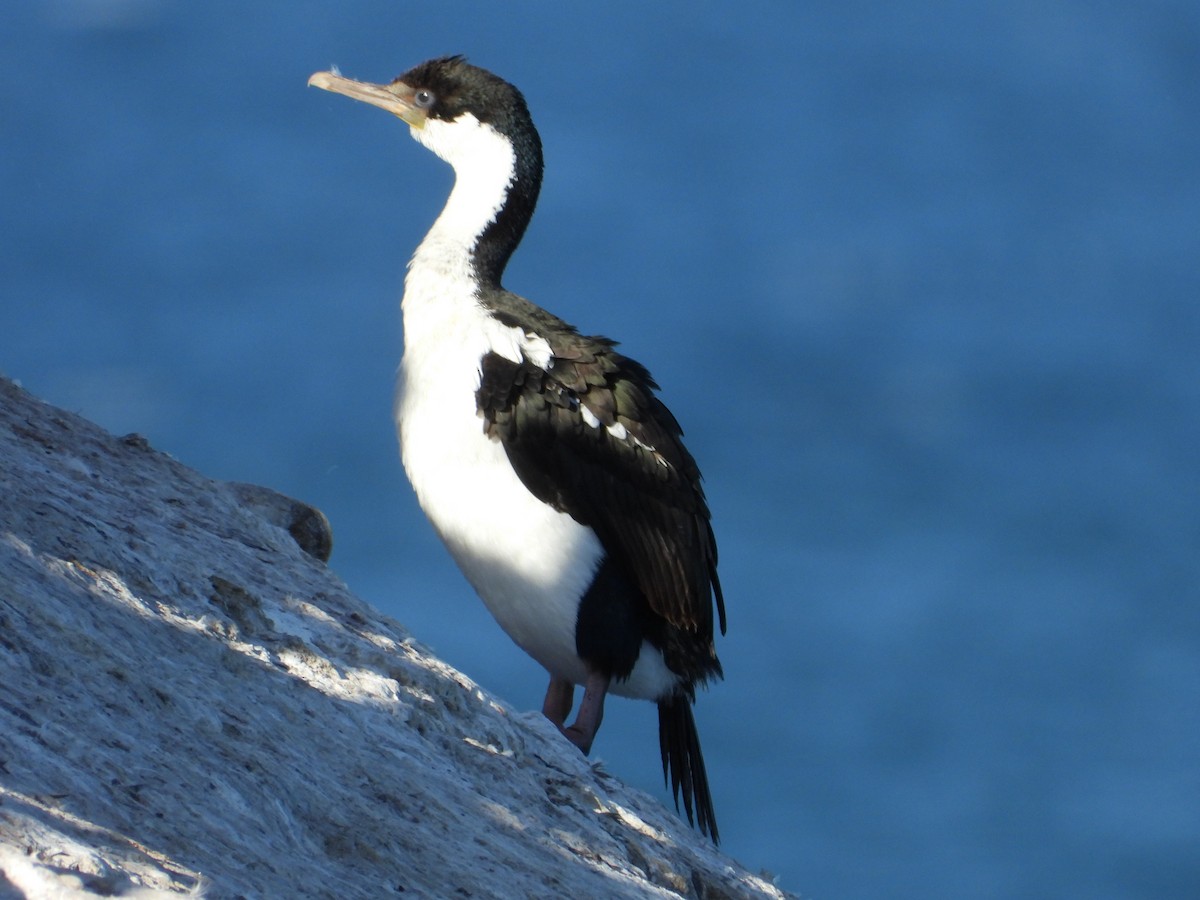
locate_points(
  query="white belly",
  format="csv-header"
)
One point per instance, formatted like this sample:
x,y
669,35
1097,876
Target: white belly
x,y
528,562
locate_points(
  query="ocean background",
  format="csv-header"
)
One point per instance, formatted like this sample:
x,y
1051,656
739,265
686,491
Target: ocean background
x,y
921,280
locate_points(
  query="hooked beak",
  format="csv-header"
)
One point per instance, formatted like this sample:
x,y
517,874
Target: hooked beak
x,y
396,97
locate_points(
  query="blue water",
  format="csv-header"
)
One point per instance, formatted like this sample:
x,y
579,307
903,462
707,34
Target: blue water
x,y
921,281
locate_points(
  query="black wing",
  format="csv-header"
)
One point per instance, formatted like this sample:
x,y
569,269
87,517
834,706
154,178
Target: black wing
x,y
629,477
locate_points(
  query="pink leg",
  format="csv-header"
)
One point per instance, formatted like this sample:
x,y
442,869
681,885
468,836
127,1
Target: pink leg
x,y
591,712
560,696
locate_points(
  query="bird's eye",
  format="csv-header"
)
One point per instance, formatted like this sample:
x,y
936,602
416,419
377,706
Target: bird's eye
x,y
423,99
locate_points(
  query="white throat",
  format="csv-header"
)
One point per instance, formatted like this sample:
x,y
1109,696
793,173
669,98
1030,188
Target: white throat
x,y
440,302
484,167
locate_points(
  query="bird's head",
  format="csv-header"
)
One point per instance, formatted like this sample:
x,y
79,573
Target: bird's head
x,y
450,105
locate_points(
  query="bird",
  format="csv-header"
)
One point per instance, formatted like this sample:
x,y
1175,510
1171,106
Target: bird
x,y
542,456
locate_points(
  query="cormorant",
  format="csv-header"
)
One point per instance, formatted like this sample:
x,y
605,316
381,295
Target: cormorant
x,y
553,473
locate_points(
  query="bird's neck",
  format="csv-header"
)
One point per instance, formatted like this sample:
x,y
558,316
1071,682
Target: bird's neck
x,y
495,190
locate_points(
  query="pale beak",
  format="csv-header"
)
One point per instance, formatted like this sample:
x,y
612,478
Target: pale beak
x,y
396,97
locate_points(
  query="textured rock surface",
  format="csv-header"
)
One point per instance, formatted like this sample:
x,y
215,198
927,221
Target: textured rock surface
x,y
190,702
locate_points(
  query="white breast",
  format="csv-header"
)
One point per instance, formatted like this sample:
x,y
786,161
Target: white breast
x,y
528,562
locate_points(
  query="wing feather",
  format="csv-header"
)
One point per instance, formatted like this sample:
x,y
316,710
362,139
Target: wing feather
x,y
630,477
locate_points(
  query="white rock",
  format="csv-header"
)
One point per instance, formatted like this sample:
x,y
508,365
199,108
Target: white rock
x,y
189,704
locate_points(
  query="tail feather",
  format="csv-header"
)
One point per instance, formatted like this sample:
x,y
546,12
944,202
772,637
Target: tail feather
x,y
683,763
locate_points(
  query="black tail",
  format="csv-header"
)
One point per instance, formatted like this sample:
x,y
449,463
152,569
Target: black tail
x,y
683,763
